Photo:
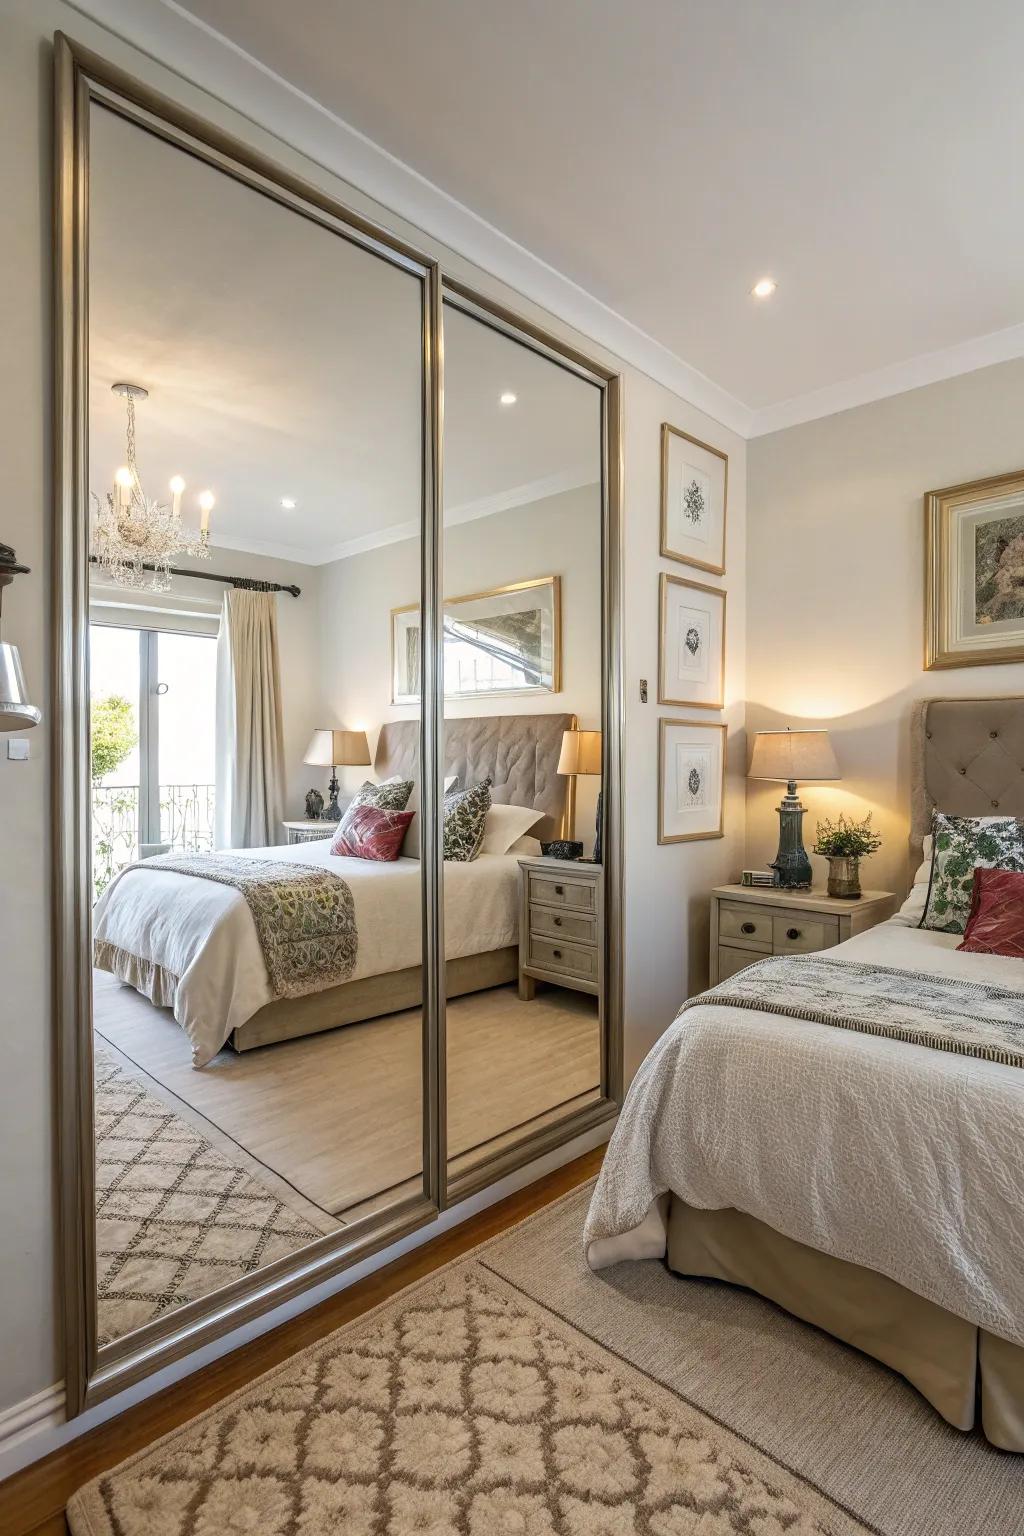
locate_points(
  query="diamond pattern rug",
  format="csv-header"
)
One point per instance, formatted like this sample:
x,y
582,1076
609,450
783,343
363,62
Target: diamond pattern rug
x,y
459,1408
175,1218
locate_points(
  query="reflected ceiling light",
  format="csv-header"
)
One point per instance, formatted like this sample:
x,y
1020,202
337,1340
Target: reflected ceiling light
x,y
288,502
508,398
764,288
133,538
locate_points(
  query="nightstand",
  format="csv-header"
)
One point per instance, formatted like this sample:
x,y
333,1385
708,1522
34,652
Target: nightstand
x,y
561,925
309,831
748,923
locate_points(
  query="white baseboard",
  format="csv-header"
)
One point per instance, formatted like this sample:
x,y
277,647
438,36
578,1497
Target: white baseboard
x,y
22,1422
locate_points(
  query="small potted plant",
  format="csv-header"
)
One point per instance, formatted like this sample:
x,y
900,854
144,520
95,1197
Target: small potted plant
x,y
844,843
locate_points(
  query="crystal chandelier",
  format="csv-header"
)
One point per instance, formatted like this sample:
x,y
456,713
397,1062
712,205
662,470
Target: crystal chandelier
x,y
134,538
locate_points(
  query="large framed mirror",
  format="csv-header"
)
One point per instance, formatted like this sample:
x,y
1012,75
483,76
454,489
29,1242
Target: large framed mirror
x,y
276,1020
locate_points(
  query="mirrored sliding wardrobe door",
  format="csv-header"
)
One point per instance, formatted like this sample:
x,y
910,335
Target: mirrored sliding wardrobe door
x,y
256,449
523,715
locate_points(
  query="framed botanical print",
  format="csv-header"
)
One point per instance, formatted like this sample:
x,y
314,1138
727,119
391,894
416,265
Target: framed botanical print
x,y
505,641
691,780
974,604
691,644
694,493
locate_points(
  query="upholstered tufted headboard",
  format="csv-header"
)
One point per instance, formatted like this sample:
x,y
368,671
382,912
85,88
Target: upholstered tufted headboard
x,y
967,760
519,753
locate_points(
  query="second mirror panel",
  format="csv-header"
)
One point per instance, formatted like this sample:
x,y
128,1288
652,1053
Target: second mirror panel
x,y
523,690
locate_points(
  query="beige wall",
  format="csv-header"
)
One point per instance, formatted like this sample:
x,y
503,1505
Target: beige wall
x,y
559,535
666,888
836,599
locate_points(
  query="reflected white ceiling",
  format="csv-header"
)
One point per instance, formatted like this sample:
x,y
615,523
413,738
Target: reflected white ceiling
x,y
284,361
664,154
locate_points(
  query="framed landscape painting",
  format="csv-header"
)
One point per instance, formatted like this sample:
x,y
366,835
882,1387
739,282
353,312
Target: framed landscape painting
x,y
694,493
974,603
691,644
691,780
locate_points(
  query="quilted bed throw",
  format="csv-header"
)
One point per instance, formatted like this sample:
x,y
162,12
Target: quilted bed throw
x,y
304,916
967,1017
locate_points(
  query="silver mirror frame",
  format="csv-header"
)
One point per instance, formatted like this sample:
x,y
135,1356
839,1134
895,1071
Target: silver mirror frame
x,y
93,1374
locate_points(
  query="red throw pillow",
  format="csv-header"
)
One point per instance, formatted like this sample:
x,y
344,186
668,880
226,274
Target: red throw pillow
x,y
996,923
370,832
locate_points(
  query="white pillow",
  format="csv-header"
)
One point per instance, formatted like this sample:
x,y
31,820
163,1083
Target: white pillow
x,y
505,824
527,847
410,848
912,910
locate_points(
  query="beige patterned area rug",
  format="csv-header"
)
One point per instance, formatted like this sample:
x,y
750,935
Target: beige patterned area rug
x,y
179,1210
459,1408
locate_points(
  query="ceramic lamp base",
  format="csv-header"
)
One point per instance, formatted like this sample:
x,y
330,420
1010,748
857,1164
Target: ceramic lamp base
x,y
791,862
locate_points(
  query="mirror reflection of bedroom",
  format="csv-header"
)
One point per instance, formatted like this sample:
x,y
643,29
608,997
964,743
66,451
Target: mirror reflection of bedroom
x,y
256,407
522,738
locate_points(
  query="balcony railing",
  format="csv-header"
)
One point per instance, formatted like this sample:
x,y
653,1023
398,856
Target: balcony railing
x,y
186,823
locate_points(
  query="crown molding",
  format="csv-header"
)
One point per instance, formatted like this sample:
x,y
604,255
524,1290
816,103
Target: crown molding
x,y
913,373
192,49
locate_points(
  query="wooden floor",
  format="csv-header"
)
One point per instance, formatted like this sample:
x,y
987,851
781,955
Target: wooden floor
x,y
32,1502
338,1115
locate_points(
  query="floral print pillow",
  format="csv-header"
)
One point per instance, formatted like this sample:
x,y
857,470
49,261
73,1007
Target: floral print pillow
x,y
961,845
392,795
465,813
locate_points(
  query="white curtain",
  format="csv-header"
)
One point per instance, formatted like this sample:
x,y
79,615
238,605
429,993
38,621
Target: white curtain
x,y
250,735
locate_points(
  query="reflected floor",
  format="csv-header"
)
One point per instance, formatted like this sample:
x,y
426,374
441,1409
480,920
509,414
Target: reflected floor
x,y
293,1140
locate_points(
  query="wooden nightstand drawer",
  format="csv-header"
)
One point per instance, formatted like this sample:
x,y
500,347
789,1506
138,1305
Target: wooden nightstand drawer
x,y
749,925
571,959
553,892
800,934
563,925
732,960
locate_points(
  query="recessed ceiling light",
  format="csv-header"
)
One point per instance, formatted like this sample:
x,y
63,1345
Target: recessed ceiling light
x,y
764,288
288,502
508,398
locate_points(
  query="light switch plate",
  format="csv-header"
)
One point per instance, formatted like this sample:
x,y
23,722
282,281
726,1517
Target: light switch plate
x,y
17,750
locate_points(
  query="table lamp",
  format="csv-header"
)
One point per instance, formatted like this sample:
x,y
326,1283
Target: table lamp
x,y
333,750
789,756
581,754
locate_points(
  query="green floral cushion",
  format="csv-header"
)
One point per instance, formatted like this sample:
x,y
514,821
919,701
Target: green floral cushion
x,y
465,812
391,796
961,845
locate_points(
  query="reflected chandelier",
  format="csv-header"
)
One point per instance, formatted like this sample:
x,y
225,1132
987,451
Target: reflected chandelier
x,y
134,539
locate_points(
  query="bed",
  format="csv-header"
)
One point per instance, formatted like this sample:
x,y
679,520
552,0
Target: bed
x,y
870,1186
190,944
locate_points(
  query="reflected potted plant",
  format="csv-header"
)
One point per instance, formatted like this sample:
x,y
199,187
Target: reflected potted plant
x,y
844,843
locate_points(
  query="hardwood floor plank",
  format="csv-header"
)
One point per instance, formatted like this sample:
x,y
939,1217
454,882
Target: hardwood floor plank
x,y
33,1500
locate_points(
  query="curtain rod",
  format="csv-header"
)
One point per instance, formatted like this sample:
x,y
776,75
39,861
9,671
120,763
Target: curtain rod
x,y
246,583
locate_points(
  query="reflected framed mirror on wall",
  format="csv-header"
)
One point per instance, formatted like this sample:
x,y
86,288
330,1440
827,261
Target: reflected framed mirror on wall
x,y
248,1105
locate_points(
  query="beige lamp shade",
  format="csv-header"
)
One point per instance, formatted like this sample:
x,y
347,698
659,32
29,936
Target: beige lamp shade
x,y
581,752
789,755
331,749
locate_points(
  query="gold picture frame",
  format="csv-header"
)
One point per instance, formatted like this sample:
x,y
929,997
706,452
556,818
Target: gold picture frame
x,y
405,695
676,543
668,775
974,570
706,637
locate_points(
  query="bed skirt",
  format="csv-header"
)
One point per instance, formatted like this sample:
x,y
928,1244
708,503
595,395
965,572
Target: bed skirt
x,y
961,1369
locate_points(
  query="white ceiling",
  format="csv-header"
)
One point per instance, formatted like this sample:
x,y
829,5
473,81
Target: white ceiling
x,y
282,360
663,154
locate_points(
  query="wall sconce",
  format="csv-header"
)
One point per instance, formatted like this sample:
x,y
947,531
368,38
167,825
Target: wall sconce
x,y
16,713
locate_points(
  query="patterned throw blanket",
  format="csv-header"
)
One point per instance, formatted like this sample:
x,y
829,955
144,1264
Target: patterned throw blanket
x,y
969,1018
304,916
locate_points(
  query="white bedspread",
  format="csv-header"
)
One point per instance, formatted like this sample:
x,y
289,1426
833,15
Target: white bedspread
x,y
907,1160
203,933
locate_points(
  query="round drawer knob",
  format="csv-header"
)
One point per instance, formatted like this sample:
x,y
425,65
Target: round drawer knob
x,y
749,928
558,922
559,890
792,933
557,954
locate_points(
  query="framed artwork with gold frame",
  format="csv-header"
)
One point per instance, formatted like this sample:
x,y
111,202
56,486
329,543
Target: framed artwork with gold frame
x,y
691,644
691,780
502,642
694,497
974,573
